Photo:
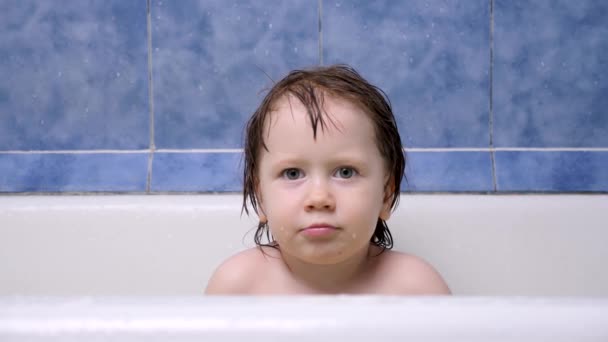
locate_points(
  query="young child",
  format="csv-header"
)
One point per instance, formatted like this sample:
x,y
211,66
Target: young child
x,y
323,168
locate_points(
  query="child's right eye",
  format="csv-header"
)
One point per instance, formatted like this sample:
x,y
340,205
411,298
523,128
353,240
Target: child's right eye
x,y
292,173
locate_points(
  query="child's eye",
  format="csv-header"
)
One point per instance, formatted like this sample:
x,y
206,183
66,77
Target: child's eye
x,y
292,173
345,172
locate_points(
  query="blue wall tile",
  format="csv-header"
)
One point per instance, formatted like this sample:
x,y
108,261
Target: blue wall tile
x,y
448,172
213,58
431,57
73,75
73,172
206,172
552,171
551,73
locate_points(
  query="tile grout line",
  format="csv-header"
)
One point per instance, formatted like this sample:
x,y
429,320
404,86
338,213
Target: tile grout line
x,y
320,27
152,146
491,102
238,150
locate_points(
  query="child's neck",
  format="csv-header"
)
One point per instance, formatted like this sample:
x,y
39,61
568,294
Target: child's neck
x,y
331,279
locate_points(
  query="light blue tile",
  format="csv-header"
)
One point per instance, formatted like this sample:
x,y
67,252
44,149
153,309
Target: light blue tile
x,y
197,172
448,172
552,171
430,57
212,59
74,75
73,172
551,73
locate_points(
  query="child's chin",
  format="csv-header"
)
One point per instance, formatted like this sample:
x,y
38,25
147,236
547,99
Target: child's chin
x,y
328,257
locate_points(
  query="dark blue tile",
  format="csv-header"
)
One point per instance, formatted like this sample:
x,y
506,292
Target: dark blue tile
x,y
430,57
74,75
73,172
552,171
212,59
204,172
448,172
551,73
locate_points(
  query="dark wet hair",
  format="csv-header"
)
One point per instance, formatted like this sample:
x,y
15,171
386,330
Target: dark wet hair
x,y
310,86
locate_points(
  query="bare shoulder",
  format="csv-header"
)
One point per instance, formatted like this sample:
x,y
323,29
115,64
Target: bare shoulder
x,y
410,274
236,274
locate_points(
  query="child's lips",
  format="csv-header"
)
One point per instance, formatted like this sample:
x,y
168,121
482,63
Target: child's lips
x,y
319,230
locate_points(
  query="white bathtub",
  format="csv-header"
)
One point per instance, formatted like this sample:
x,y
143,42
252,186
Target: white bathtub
x,y
132,268
314,318
541,245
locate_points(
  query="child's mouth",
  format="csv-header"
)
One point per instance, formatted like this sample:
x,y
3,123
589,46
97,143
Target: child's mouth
x,y
319,230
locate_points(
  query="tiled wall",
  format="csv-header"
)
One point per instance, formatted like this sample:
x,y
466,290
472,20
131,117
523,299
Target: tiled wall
x,y
151,96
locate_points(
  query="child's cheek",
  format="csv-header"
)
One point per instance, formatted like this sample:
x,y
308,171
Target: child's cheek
x,y
279,233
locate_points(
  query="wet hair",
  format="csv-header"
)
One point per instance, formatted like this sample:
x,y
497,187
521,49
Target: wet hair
x,y
310,86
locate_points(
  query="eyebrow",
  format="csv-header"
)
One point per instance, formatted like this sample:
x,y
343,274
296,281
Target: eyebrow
x,y
346,159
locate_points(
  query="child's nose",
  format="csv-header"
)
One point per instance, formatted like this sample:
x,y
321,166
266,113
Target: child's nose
x,y
320,197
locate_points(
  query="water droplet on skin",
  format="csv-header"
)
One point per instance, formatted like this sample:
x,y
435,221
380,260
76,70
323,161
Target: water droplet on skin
x,y
354,236
282,228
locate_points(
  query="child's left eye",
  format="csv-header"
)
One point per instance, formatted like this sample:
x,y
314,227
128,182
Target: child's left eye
x,y
291,173
345,172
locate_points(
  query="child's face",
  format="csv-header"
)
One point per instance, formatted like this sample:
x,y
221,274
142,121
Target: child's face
x,y
336,180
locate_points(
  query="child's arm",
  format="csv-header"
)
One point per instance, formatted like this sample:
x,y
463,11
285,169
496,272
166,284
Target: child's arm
x,y
417,277
233,276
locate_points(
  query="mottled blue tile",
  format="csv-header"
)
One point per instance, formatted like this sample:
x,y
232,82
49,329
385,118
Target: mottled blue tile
x,y
430,57
448,172
212,59
74,74
73,172
550,171
550,73
199,172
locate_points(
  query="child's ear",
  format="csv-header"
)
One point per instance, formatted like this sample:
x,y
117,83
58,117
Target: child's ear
x,y
261,212
386,211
